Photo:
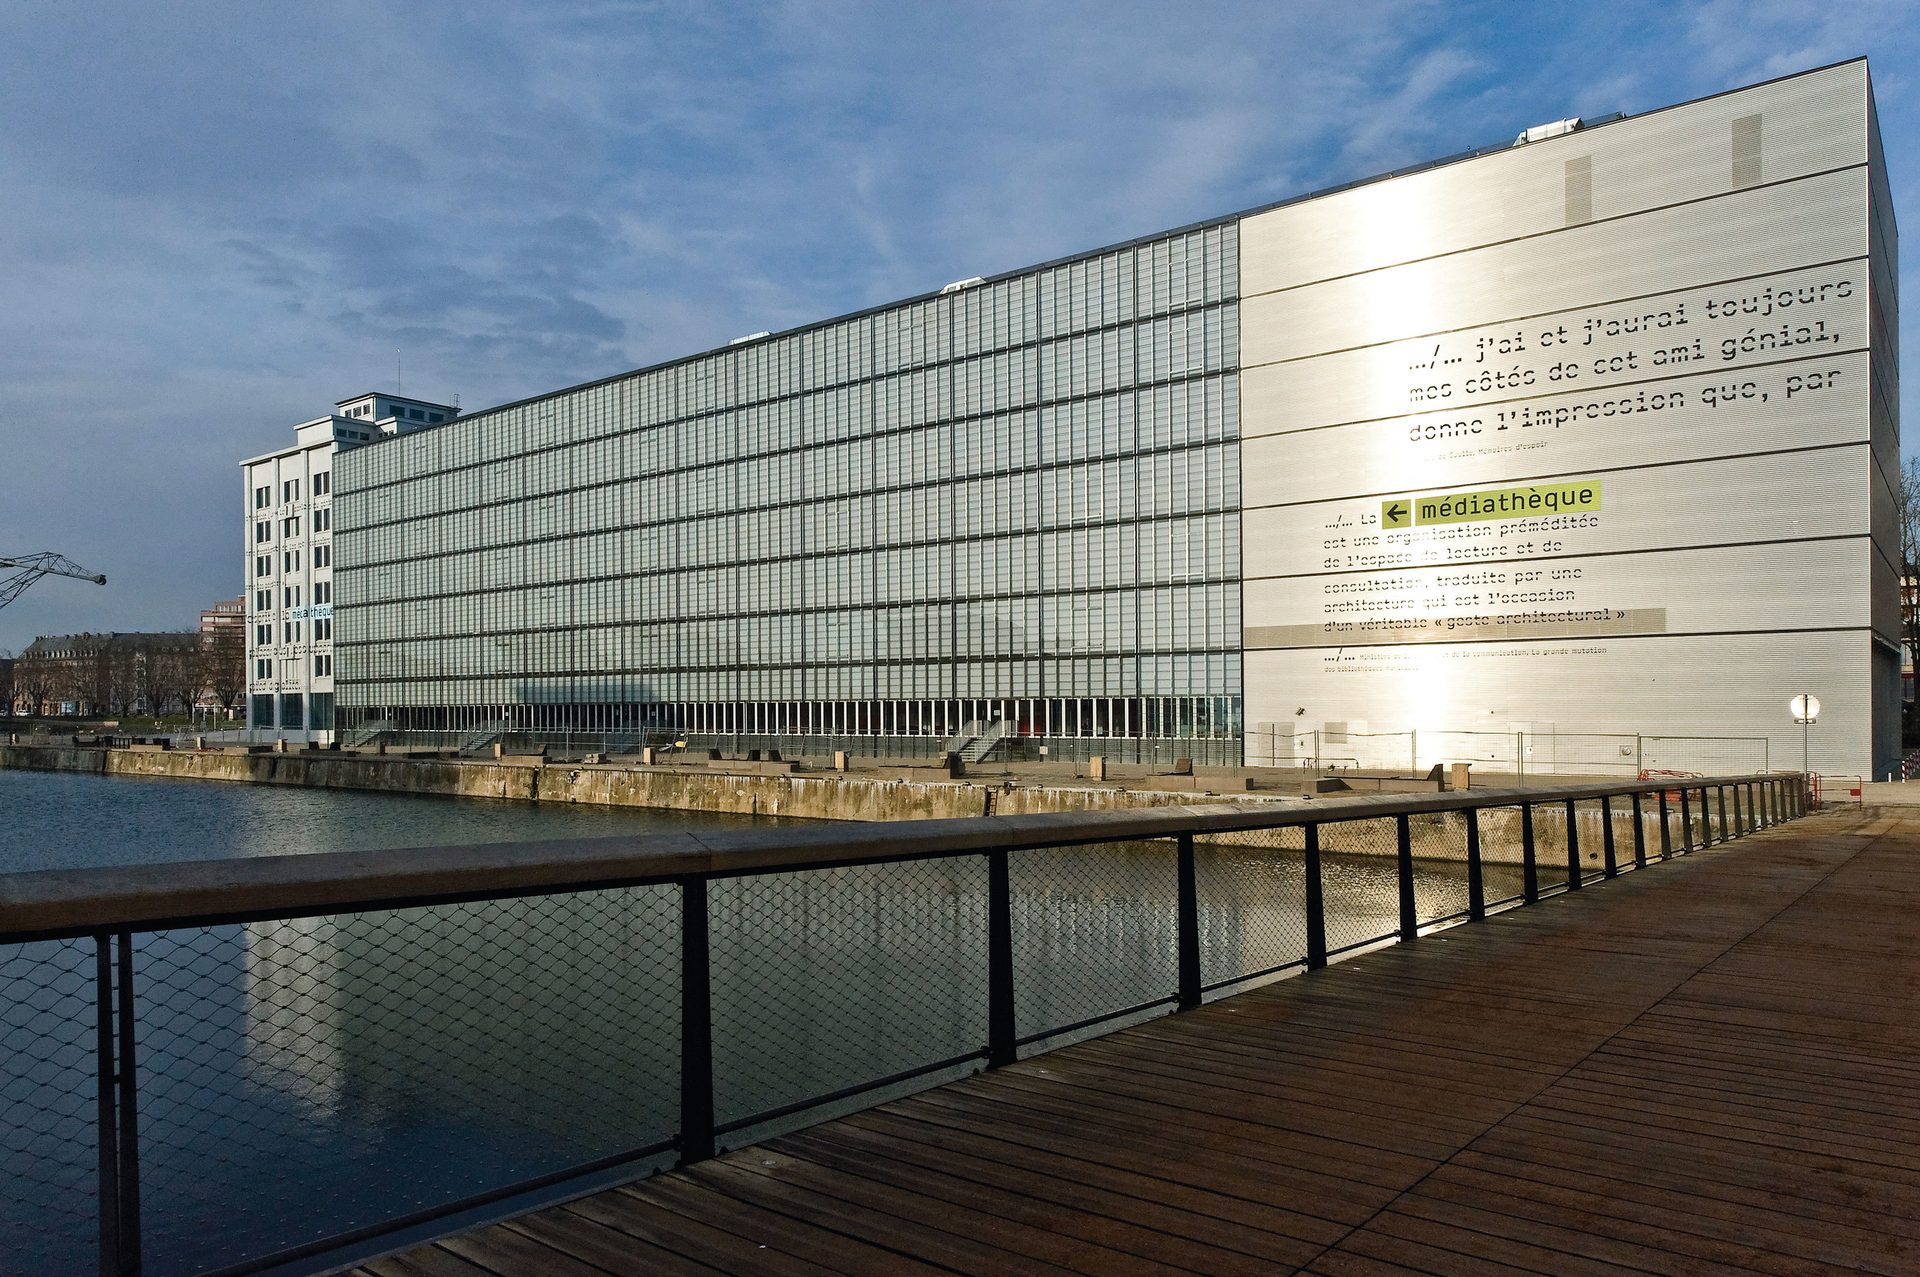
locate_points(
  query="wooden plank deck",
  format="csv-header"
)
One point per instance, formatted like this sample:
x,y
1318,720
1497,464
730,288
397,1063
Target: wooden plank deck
x,y
1712,1067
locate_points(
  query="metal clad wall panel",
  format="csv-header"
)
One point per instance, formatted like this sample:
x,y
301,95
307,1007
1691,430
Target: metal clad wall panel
x,y
1744,234
1430,360
1788,496
1666,334
1816,124
1384,456
1680,681
1792,585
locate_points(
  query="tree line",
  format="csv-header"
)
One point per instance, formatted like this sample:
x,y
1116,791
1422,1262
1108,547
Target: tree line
x,y
119,674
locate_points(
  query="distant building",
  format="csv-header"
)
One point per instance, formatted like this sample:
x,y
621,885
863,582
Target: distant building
x,y
115,673
223,642
226,615
287,612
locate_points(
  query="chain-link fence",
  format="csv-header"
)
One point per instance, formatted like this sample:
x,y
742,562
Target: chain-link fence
x,y
202,1096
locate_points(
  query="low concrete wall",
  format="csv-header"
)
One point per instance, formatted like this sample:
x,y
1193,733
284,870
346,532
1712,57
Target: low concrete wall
x,y
824,797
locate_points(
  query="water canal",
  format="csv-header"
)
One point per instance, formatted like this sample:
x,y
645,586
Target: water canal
x,y
306,1077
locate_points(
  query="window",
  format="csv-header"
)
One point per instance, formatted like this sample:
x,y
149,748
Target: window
x,y
323,483
262,531
292,593
262,635
322,591
292,632
322,630
322,555
263,668
262,600
261,496
322,520
323,665
290,527
290,561
290,490
263,565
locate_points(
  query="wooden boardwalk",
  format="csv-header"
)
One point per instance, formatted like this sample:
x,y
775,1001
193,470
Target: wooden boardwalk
x,y
1710,1067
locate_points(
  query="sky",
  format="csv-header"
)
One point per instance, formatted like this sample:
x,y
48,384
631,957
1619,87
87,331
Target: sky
x,y
217,219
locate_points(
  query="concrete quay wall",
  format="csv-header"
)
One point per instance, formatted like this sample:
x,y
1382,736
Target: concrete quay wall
x,y
833,797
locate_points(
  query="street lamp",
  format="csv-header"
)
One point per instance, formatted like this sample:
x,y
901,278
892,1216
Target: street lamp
x,y
1806,710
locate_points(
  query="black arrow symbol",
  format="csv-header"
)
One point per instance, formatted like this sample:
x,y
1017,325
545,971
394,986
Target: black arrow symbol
x,y
1394,512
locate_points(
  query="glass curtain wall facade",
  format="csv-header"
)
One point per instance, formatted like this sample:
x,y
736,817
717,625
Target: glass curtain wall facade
x,y
1010,510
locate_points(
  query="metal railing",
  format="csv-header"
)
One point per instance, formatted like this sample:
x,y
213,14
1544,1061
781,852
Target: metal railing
x,y
234,1065
1542,756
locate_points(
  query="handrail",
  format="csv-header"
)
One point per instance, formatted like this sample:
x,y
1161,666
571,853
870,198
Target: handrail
x,y
118,910
64,903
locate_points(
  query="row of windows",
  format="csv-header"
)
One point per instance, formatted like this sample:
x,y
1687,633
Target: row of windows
x,y
638,526
1162,674
1194,269
562,581
443,471
290,561
290,490
602,485
322,664
1027,719
518,640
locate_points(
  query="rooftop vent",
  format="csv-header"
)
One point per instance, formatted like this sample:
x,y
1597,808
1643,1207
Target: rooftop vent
x,y
741,341
1541,132
959,284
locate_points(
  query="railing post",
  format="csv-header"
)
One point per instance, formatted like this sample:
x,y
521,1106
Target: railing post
x,y
1316,903
129,1133
1188,926
1476,881
1609,866
1686,821
1666,834
1529,862
1409,910
696,1024
1720,793
1573,847
1639,832
106,1120
1000,1018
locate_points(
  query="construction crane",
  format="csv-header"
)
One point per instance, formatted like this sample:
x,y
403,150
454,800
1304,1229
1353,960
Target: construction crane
x,y
17,574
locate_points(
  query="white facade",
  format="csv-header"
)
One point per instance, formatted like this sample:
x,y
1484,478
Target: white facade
x,y
1591,435
288,532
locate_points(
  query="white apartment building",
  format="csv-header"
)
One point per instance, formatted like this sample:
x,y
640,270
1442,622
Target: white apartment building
x,y
288,512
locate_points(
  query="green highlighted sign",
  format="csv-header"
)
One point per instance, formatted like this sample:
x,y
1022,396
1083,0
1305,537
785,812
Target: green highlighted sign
x,y
1529,502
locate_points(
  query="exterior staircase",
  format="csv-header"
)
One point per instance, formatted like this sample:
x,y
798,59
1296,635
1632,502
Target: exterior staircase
x,y
371,732
482,738
976,741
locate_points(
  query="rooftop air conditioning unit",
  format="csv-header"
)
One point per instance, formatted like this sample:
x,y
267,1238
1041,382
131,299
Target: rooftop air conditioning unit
x,y
741,341
959,284
1541,132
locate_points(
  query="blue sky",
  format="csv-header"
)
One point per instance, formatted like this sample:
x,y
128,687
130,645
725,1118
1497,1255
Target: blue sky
x,y
218,218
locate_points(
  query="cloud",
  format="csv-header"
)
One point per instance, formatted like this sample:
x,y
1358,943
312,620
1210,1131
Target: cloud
x,y
220,217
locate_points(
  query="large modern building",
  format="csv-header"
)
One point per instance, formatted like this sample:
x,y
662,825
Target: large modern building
x,y
288,519
1590,433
